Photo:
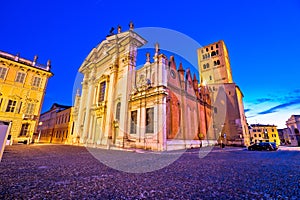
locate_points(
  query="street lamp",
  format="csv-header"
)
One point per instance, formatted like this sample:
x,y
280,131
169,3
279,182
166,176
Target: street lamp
x,y
40,124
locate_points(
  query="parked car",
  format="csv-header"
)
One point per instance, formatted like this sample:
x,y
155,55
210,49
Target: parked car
x,y
263,146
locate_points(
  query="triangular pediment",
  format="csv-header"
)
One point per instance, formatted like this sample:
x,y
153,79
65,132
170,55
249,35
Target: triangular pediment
x,y
107,46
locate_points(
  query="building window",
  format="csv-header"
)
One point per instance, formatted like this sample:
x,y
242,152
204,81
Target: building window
x,y
215,110
259,135
36,82
30,109
20,77
1,99
102,92
210,78
3,72
213,53
217,46
133,122
149,120
217,52
118,109
218,62
24,129
206,49
212,48
272,130
255,135
11,106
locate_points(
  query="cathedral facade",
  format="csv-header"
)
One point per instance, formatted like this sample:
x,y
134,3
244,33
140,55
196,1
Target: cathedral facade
x,y
159,106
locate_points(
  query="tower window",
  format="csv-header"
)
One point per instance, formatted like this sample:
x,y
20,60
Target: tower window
x,y
215,110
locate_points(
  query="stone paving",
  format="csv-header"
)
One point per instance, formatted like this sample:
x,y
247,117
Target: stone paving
x,y
71,172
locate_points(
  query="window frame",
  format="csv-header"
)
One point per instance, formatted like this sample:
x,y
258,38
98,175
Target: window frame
x,y
3,75
36,83
22,79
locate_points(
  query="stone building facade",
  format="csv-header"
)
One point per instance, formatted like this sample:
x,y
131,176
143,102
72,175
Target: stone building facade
x,y
159,106
264,133
229,121
293,127
22,88
56,125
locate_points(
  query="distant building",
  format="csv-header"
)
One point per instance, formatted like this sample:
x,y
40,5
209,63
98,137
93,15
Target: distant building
x,y
229,119
22,88
284,136
56,125
264,133
293,126
158,107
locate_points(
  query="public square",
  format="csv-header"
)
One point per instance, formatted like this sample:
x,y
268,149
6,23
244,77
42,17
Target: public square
x,y
71,172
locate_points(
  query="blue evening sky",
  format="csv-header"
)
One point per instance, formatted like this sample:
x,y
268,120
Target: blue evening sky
x,y
262,38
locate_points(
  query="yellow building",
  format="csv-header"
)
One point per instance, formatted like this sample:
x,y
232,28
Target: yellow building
x,y
264,133
56,125
22,88
229,121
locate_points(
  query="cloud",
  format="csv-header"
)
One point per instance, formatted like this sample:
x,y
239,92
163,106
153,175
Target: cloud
x,y
263,100
247,110
280,107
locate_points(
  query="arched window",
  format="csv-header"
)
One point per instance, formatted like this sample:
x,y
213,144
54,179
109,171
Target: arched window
x,y
215,63
204,66
218,62
206,49
118,109
207,65
217,52
213,53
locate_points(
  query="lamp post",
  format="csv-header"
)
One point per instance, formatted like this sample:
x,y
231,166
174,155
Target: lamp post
x,y
40,124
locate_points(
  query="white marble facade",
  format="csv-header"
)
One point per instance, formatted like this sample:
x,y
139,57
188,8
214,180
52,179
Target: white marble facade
x,y
155,107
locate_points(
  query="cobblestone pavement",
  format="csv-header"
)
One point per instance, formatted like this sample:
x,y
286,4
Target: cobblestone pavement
x,y
71,172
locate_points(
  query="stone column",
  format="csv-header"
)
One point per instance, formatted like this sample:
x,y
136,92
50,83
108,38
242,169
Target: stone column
x,y
89,101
